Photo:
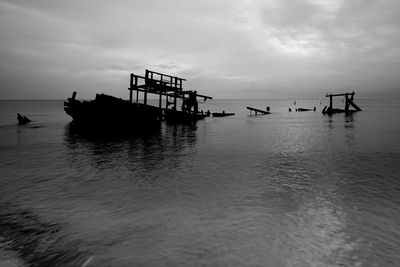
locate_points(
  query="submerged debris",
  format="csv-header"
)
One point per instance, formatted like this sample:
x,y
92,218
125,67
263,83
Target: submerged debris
x,y
256,111
305,109
22,119
222,114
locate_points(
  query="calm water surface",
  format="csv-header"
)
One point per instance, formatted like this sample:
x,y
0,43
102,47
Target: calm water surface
x,y
286,189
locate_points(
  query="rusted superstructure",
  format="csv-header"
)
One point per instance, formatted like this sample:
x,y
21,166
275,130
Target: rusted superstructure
x,y
170,89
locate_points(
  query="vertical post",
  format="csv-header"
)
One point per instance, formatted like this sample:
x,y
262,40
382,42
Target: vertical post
x,y
175,97
175,92
346,107
330,101
145,96
137,91
159,100
174,84
195,103
146,81
131,88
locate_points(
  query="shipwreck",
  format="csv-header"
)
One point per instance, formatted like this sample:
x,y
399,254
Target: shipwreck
x,y
349,101
106,110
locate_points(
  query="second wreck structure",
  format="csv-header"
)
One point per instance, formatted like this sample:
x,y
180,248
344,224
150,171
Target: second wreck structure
x,y
175,104
349,101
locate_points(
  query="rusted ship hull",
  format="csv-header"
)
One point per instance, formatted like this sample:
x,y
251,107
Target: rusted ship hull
x,y
109,112
177,116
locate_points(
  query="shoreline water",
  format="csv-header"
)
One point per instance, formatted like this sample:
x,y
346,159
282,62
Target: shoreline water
x,y
9,258
285,188
30,240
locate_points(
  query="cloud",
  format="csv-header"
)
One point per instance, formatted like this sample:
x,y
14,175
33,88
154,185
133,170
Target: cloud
x,y
226,48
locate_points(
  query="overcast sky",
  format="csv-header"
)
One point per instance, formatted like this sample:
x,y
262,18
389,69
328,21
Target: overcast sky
x,y
226,49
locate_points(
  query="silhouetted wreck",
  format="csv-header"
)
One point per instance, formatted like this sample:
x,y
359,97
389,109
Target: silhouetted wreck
x,y
109,110
349,101
22,119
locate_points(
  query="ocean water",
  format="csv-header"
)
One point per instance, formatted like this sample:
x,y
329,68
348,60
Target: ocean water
x,y
285,189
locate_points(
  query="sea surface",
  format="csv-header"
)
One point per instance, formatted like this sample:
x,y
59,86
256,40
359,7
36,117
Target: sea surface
x,y
285,189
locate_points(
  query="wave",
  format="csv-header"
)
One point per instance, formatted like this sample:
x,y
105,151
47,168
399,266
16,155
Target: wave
x,y
37,242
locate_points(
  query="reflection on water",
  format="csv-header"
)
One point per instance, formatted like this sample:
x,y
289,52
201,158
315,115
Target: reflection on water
x,y
149,150
312,224
317,230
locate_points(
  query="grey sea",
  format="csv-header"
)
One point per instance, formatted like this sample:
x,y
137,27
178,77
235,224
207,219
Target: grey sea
x,y
285,189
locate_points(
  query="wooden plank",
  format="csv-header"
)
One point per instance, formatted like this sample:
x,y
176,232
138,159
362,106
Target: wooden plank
x,y
330,95
202,96
142,88
162,74
258,110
